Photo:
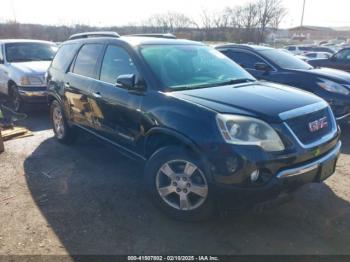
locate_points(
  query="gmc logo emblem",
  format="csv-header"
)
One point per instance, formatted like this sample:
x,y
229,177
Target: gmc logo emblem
x,y
318,124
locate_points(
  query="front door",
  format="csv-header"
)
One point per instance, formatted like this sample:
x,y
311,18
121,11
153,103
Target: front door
x,y
116,110
341,60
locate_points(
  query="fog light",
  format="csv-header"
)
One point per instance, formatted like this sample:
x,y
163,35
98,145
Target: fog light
x,y
255,176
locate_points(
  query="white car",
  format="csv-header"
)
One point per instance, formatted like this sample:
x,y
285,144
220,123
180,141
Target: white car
x,y
23,65
298,50
318,55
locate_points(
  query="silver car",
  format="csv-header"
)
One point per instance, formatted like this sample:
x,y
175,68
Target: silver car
x,y
23,65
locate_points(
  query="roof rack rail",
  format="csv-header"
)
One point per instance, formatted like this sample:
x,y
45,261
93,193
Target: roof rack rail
x,y
168,35
94,34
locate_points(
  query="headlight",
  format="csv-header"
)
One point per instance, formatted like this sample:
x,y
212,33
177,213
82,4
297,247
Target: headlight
x,y
31,81
242,130
333,87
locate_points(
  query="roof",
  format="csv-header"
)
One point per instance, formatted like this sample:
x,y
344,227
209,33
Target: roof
x,y
314,28
247,47
8,41
139,40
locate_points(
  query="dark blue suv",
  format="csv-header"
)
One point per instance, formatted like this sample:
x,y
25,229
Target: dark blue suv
x,y
209,134
275,65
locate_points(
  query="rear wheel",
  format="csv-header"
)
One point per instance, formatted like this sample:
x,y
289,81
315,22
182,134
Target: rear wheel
x,y
178,183
63,132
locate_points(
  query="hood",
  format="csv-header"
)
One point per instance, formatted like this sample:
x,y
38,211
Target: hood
x,y
331,74
34,67
262,100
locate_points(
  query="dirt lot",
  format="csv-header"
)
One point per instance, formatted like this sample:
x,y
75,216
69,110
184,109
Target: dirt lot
x,y
87,199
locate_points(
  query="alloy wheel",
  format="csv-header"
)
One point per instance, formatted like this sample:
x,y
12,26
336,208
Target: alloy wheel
x,y
182,185
58,123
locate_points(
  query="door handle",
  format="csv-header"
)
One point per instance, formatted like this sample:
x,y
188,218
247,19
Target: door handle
x,y
97,95
66,85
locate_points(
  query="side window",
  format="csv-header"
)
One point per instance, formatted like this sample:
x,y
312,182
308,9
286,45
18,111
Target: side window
x,y
64,56
1,54
116,62
291,48
86,60
343,55
246,60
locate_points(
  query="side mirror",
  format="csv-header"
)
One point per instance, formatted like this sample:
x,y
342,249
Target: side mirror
x,y
131,82
262,67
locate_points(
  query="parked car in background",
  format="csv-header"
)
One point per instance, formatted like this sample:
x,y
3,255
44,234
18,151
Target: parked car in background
x,y
302,49
23,64
340,60
323,49
298,50
277,66
195,118
317,55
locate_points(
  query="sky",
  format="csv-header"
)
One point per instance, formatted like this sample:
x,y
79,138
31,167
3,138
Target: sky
x,y
333,13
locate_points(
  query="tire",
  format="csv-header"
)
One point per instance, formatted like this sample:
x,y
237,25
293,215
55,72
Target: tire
x,y
63,132
16,102
168,186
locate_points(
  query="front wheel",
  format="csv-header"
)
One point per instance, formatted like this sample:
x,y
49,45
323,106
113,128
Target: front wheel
x,y
179,184
15,98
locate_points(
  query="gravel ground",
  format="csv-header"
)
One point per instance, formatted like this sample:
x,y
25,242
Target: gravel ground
x,y
88,199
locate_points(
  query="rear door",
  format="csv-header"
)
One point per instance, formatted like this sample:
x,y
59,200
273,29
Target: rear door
x,y
78,84
116,110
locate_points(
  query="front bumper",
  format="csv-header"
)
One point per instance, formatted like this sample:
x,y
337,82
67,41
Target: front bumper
x,y
285,181
33,94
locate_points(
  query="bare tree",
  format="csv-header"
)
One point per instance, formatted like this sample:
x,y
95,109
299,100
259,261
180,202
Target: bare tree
x,y
271,12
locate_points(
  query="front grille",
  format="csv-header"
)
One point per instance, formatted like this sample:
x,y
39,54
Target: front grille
x,y
300,126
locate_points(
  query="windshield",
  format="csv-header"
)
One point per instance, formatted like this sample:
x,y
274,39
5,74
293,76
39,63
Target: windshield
x,y
192,66
25,52
285,60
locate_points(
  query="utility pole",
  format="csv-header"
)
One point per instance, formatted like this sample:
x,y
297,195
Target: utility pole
x,y
302,16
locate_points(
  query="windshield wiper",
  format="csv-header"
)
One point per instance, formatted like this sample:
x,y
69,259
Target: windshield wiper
x,y
228,82
234,81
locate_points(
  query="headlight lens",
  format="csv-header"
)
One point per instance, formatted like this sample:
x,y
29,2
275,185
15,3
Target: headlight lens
x,y
333,87
31,81
242,130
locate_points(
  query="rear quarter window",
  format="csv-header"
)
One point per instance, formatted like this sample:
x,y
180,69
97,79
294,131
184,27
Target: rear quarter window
x,y
64,56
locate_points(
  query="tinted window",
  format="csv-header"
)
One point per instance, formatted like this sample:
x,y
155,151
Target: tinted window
x,y
85,63
312,55
116,62
244,59
291,48
191,66
284,60
343,55
25,52
305,48
64,56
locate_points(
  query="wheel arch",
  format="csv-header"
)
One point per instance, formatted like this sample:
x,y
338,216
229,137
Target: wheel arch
x,y
160,137
10,84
